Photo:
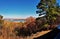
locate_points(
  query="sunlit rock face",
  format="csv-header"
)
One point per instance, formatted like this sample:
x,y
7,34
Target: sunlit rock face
x,y
58,27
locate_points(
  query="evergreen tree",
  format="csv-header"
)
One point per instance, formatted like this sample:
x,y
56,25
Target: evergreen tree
x,y
49,8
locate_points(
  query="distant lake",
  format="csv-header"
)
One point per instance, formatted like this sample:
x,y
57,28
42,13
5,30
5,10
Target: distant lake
x,y
18,20
15,20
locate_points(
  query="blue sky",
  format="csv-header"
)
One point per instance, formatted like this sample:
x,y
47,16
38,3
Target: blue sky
x,y
18,8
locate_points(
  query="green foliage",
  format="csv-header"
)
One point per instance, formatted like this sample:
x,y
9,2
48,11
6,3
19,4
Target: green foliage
x,y
46,25
50,9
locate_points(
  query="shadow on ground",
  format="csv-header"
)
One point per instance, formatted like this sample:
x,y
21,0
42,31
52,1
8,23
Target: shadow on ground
x,y
50,35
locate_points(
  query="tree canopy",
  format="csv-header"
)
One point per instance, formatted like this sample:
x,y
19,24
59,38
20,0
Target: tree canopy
x,y
50,9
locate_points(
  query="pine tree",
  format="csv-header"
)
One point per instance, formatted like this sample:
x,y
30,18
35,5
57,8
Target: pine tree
x,y
49,8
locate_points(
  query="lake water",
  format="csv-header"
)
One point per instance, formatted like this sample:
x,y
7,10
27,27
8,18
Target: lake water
x,y
18,20
15,20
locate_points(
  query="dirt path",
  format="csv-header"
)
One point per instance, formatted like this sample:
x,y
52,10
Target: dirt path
x,y
37,34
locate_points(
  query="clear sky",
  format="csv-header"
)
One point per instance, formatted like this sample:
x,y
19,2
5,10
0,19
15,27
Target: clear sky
x,y
18,8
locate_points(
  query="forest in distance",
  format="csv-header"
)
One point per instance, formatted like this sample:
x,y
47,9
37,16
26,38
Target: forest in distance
x,y
25,28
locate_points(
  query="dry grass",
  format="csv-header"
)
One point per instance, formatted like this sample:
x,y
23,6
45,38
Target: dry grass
x,y
28,37
9,27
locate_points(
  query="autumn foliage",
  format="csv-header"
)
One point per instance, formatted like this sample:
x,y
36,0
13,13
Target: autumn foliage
x,y
12,30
